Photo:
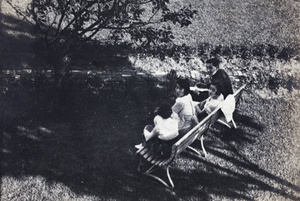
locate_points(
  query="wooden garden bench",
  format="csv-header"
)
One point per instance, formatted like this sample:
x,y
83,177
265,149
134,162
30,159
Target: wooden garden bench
x,y
183,143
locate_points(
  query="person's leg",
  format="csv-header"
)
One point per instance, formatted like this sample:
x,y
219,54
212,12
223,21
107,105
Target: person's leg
x,y
168,146
146,135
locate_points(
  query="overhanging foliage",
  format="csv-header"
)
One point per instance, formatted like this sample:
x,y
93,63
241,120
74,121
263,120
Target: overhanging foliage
x,y
137,20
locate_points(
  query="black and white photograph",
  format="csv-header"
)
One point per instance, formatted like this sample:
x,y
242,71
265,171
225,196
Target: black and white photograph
x,y
150,100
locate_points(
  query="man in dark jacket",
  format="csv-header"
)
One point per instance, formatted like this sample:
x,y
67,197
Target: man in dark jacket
x,y
217,75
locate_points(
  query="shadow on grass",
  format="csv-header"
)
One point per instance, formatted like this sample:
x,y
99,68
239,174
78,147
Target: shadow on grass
x,y
83,140
17,44
229,183
227,172
87,143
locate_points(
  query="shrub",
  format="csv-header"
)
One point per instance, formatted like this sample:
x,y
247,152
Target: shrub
x,y
287,53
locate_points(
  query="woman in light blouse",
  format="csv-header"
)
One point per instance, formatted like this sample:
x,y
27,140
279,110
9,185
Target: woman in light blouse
x,y
183,106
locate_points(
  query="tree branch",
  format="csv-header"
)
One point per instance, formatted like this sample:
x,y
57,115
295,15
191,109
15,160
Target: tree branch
x,y
62,17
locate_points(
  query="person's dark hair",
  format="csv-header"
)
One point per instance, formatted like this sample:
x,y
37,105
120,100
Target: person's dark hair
x,y
218,86
185,84
164,110
214,61
222,76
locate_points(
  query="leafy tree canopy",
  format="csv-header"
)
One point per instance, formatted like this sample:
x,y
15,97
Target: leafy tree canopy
x,y
141,22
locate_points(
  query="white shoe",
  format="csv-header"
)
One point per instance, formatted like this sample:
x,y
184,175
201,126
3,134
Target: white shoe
x,y
139,146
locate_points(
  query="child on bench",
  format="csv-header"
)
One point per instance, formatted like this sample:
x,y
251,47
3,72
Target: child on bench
x,y
160,137
212,102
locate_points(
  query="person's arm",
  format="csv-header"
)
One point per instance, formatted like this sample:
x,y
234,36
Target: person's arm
x,y
198,90
202,85
200,108
174,116
156,120
177,107
150,134
201,104
153,133
213,104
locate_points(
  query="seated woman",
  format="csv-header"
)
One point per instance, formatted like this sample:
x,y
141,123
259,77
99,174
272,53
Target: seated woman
x,y
160,137
212,102
217,75
183,106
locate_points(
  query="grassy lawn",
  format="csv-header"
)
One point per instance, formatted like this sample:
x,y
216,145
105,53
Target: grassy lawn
x,y
79,145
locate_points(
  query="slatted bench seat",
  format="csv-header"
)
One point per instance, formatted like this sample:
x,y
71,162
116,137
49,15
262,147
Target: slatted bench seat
x,y
182,144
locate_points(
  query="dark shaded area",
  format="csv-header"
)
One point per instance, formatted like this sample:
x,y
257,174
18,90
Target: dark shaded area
x,y
17,44
75,136
86,141
23,48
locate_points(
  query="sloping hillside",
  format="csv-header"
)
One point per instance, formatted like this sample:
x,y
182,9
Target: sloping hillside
x,y
243,22
275,22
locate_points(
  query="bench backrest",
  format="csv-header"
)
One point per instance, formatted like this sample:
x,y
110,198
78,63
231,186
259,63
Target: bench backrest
x,y
201,127
238,94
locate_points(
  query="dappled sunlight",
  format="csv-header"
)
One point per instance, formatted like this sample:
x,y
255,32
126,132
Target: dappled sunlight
x,y
34,134
17,41
76,141
85,144
221,173
44,129
38,188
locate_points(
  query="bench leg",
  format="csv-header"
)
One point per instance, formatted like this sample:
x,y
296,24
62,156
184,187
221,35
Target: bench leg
x,y
139,165
194,150
202,146
234,125
151,169
223,123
